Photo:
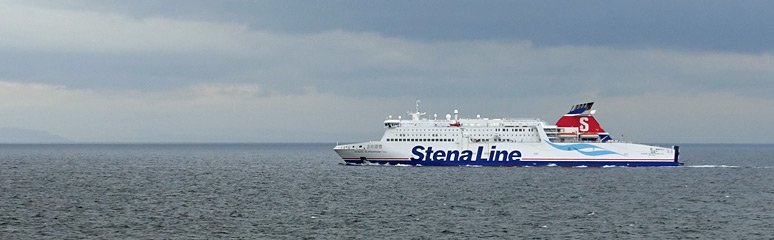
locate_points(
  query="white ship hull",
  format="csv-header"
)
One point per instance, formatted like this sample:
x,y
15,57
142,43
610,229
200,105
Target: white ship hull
x,y
576,139
509,154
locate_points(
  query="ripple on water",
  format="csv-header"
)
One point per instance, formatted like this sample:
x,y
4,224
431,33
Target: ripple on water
x,y
301,191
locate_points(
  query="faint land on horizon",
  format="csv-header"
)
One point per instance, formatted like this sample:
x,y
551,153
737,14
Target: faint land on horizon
x,y
20,135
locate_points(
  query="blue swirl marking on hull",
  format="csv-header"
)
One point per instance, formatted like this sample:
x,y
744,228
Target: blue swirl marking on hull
x,y
579,147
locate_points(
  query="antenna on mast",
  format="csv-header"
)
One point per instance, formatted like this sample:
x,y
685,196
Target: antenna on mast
x,y
416,115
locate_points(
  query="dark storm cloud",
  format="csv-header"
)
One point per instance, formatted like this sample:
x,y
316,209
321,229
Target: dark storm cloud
x,y
695,25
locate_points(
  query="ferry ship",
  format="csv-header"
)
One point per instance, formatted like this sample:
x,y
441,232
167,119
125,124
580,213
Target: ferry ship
x,y
575,140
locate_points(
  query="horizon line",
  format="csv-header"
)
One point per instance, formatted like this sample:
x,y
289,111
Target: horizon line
x,y
332,142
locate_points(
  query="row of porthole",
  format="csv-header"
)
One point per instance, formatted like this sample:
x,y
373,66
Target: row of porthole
x,y
423,135
420,140
431,130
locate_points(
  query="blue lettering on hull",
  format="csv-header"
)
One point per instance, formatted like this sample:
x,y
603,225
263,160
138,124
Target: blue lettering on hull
x,y
428,154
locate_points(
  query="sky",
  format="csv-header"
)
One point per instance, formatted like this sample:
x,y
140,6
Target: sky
x,y
328,71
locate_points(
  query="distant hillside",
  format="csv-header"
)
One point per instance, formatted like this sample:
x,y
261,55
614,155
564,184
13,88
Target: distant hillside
x,y
18,135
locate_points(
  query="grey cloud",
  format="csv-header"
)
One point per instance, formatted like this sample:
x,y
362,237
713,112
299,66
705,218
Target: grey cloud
x,y
365,64
695,25
230,80
142,53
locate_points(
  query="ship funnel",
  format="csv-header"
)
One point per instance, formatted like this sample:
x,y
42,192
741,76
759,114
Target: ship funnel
x,y
581,117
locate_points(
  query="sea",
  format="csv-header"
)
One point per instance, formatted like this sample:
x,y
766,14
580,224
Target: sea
x,y
303,191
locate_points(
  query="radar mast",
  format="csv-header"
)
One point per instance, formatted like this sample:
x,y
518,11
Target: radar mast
x,y
416,115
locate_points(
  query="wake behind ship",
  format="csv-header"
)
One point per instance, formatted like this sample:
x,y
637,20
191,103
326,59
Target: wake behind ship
x,y
576,139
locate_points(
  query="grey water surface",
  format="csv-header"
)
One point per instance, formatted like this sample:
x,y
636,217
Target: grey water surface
x,y
296,191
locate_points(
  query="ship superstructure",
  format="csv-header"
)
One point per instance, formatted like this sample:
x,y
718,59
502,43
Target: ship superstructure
x,y
576,139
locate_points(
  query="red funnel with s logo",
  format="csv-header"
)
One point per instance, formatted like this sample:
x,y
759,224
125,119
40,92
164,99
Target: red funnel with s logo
x,y
581,117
